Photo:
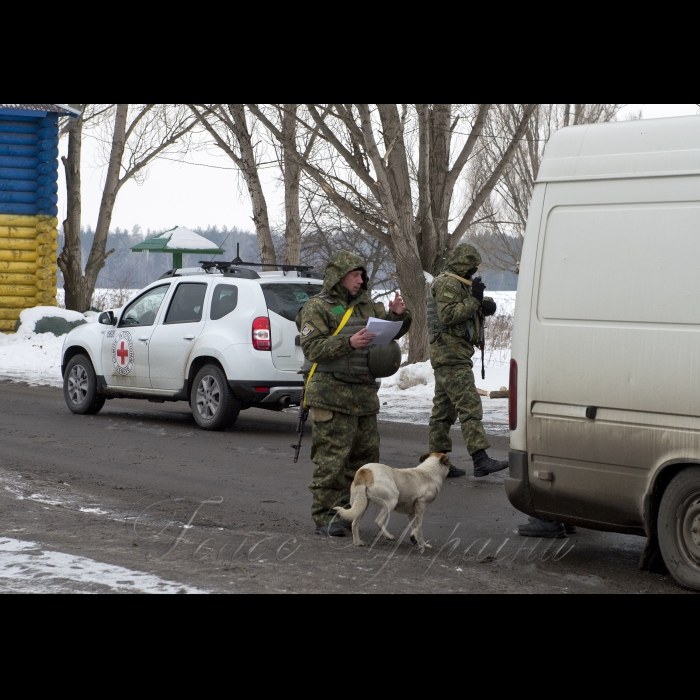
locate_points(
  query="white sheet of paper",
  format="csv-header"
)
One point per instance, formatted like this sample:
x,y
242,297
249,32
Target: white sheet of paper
x,y
385,330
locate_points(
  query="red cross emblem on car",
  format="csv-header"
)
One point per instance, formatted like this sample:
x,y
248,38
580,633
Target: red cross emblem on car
x,y
123,352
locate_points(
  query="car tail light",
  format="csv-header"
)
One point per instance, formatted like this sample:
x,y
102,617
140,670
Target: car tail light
x,y
513,395
261,333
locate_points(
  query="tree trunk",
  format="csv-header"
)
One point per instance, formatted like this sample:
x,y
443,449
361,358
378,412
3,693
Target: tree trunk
x,y
440,144
70,259
292,174
412,284
98,252
252,179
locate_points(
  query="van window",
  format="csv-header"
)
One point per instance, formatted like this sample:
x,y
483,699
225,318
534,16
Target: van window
x,y
187,303
287,299
224,301
621,263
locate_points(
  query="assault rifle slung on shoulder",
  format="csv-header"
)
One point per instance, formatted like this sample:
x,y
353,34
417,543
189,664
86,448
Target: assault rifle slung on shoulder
x,y
301,420
478,286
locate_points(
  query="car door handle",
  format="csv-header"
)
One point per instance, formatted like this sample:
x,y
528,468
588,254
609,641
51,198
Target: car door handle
x,y
144,340
189,337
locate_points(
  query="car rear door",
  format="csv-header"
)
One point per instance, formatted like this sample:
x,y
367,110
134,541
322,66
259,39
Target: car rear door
x,y
284,299
175,335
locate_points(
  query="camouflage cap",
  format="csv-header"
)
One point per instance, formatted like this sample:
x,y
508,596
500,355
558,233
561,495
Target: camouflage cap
x,y
340,263
463,258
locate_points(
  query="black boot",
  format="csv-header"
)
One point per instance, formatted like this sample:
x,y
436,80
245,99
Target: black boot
x,y
537,527
456,471
484,465
331,530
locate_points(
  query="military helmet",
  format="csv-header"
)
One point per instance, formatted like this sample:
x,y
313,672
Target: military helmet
x,y
384,360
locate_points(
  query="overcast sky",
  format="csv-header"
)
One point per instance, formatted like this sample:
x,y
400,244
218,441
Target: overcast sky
x,y
204,190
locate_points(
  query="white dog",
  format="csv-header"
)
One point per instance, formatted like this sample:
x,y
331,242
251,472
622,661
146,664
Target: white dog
x,y
403,490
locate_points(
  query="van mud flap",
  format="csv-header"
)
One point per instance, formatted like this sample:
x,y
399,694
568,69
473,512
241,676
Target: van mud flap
x,y
518,482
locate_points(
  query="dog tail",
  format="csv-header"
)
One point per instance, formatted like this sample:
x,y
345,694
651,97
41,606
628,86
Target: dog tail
x,y
358,496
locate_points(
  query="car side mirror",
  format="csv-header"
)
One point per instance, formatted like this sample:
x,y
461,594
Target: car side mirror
x,y
106,318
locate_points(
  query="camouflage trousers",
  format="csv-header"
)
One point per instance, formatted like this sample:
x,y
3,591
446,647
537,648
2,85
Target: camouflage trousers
x,y
340,446
455,395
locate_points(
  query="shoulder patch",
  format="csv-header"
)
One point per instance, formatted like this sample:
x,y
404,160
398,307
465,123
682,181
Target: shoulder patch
x,y
447,295
308,329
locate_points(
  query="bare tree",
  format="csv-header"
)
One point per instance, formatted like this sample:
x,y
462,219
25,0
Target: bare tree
x,y
400,189
133,136
228,126
500,234
326,231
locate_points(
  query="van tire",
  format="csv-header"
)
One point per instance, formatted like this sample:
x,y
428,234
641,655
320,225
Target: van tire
x,y
214,406
679,528
80,387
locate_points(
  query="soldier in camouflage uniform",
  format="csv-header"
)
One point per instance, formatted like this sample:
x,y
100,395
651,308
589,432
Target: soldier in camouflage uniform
x,y
453,325
341,394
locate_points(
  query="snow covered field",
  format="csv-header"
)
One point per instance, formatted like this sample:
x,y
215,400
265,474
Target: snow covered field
x,y
406,397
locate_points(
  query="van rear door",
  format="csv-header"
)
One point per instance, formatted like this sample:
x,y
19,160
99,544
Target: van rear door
x,y
284,299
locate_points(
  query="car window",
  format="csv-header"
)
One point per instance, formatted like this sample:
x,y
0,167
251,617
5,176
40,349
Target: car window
x,y
287,299
143,311
187,303
223,301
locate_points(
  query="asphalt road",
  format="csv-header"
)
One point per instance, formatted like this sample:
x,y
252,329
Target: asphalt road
x,y
139,486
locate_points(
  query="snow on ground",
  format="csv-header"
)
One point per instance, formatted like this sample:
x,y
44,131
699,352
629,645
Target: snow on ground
x,y
27,567
32,357
104,298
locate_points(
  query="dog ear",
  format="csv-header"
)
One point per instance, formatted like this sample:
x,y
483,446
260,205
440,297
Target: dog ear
x,y
444,460
422,458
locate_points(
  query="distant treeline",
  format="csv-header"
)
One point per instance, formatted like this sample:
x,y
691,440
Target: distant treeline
x,y
127,270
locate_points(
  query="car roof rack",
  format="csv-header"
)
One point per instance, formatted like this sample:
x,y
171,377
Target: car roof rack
x,y
232,269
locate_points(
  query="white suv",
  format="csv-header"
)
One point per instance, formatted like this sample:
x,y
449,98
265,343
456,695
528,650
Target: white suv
x,y
221,337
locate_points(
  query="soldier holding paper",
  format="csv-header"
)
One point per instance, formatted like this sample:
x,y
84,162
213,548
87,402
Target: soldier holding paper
x,y
340,390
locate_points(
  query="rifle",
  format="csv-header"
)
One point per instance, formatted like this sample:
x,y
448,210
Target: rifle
x,y
302,416
482,342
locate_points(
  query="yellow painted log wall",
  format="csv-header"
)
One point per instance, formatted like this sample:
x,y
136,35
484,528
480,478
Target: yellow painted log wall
x,y
28,247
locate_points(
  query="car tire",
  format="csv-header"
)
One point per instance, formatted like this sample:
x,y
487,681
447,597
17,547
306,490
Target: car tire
x,y
80,387
214,405
679,528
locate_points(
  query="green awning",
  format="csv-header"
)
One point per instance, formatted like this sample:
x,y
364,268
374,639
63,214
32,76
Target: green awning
x,y
177,241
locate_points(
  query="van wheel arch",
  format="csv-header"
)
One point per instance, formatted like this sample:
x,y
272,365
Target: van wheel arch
x,y
651,559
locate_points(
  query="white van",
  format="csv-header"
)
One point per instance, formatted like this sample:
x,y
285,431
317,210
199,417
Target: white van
x,y
605,370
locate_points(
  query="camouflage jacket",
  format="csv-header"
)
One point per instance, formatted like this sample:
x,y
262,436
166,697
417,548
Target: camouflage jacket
x,y
456,309
317,320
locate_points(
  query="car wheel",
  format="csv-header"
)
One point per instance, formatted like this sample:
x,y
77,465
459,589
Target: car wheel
x,y
214,405
80,386
679,528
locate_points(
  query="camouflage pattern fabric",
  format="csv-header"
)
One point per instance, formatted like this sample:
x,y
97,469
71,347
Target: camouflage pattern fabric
x,y
317,320
340,447
450,357
456,309
455,395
